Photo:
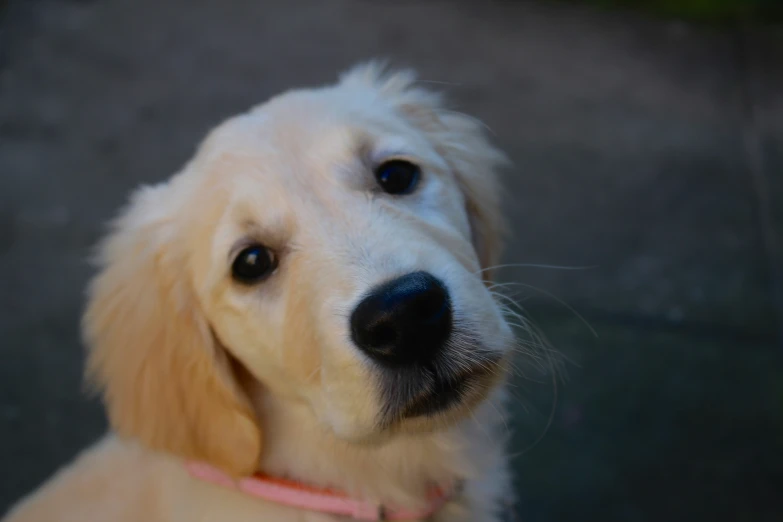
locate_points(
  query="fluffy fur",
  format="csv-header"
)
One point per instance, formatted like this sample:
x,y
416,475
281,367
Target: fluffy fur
x,y
193,366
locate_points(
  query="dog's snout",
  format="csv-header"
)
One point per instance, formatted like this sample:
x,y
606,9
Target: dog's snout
x,y
404,321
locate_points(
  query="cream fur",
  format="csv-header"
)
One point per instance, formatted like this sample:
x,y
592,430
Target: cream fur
x,y
191,366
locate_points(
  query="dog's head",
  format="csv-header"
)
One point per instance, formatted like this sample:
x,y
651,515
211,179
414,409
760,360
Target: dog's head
x,y
333,244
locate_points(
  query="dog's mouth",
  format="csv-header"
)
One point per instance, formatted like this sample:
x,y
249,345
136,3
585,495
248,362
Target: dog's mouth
x,y
445,392
436,389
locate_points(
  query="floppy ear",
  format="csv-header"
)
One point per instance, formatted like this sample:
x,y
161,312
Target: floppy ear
x,y
475,162
462,142
164,379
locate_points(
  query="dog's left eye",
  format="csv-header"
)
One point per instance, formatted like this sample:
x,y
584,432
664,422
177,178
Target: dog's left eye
x,y
397,176
253,264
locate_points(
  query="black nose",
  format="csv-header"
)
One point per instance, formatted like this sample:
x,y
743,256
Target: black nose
x,y
404,321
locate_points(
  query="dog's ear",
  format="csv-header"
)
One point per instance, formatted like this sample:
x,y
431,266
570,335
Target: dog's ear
x,y
164,378
463,143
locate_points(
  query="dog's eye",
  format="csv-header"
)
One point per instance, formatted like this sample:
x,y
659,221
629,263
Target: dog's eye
x,y
397,176
253,264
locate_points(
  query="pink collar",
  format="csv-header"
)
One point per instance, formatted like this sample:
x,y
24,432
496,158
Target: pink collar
x,y
305,497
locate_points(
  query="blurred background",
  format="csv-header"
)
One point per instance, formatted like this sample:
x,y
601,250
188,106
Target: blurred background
x,y
647,140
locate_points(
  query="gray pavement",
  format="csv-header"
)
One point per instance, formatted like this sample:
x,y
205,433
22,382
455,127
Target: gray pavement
x,y
649,150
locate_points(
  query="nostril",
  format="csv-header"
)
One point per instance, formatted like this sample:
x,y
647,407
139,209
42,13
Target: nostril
x,y
379,335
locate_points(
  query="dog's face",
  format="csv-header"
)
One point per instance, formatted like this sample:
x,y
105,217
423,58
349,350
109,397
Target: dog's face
x,y
331,243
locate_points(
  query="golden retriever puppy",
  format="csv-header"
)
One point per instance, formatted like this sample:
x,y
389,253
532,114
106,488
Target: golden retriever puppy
x,y
297,326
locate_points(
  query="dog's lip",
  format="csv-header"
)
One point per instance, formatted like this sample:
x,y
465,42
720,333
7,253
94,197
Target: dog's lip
x,y
447,391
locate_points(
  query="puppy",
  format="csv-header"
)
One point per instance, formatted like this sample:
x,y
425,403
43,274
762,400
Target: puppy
x,y
298,323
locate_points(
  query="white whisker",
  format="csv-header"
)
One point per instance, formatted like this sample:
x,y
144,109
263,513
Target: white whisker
x,y
535,265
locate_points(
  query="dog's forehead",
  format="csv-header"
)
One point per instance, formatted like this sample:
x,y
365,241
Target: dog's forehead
x,y
302,135
287,160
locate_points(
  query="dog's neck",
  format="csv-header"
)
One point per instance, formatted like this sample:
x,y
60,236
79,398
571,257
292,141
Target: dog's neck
x,y
398,471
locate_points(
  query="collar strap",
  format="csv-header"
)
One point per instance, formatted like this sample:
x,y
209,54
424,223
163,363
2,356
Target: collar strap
x,y
295,494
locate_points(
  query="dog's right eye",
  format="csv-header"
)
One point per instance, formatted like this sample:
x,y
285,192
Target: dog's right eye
x,y
253,264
